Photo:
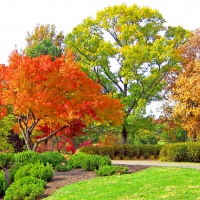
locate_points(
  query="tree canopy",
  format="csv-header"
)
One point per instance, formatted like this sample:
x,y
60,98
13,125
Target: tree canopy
x,y
185,91
44,32
55,93
129,51
45,47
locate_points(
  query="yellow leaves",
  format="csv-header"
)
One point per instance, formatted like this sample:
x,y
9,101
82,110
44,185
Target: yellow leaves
x,y
44,32
187,97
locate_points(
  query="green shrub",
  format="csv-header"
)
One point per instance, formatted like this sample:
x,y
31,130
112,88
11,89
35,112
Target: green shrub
x,y
14,169
93,162
181,152
119,151
88,162
131,151
193,152
28,188
75,161
148,151
155,149
37,170
103,160
90,150
55,158
6,160
3,183
26,157
63,168
110,170
106,151
176,152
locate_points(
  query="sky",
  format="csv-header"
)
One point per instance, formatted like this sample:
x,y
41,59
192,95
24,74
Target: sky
x,y
17,17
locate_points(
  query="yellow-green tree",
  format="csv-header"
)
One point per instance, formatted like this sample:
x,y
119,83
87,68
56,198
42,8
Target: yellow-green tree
x,y
129,51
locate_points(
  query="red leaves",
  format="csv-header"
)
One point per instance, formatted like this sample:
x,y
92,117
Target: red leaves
x,y
57,92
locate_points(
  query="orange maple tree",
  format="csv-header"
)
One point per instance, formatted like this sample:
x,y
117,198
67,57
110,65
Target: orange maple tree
x,y
57,93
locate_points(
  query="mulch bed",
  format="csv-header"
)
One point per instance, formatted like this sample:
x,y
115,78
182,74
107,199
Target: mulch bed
x,y
61,179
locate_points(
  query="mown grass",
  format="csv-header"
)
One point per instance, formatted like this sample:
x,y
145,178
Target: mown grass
x,y
150,184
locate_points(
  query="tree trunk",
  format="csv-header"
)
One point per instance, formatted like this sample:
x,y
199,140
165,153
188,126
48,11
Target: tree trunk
x,y
29,143
194,137
124,135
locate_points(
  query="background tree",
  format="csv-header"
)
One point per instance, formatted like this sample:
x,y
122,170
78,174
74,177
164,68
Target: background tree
x,y
129,51
47,32
185,91
45,47
42,91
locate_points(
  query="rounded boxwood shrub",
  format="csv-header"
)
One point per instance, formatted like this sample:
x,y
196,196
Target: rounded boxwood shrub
x,y
28,188
88,162
93,162
103,160
26,157
3,183
37,170
75,161
55,158
14,169
63,168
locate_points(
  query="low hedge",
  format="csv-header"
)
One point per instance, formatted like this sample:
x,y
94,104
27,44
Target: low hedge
x,y
131,151
149,151
181,152
124,151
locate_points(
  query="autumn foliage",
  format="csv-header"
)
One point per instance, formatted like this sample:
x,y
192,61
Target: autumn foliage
x,y
186,91
54,94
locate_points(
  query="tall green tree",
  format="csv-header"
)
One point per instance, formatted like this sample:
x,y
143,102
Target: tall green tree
x,y
129,51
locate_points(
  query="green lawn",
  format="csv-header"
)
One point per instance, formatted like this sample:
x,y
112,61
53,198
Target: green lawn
x,y
150,184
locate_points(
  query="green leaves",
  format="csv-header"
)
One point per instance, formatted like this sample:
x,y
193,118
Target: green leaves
x,y
126,50
45,47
